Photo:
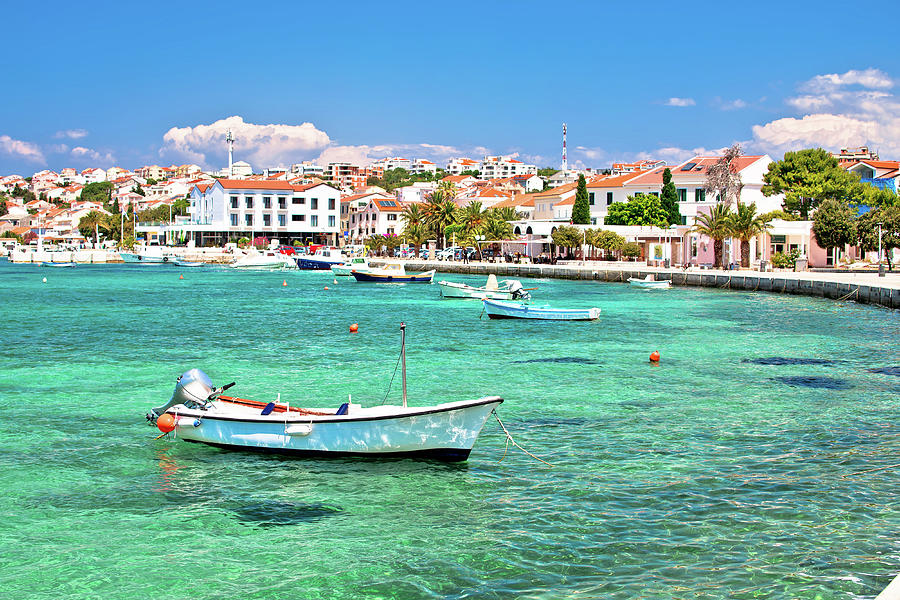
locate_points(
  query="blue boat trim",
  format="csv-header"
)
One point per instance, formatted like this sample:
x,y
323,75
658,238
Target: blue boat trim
x,y
442,454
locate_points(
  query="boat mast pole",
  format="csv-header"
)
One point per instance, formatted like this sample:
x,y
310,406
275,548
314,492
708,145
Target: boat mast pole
x,y
403,357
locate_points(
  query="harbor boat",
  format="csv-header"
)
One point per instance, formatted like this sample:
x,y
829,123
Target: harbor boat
x,y
268,260
147,255
508,289
392,272
180,262
499,309
58,264
360,263
130,257
199,412
649,283
323,259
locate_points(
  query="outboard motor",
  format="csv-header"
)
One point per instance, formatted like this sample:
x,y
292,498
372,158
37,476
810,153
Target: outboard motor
x,y
192,388
515,288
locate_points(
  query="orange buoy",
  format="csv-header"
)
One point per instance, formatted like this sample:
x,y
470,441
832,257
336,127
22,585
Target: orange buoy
x,y
654,356
181,277
354,328
284,283
165,423
326,287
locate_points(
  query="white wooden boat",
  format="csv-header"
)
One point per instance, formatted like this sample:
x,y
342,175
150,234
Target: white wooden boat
x,y
392,272
508,289
186,263
499,309
150,255
360,263
58,265
198,412
265,260
649,283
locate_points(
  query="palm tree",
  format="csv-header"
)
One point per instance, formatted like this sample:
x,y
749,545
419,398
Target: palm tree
x,y
472,218
745,224
416,234
93,220
714,225
447,189
497,229
411,215
505,213
439,212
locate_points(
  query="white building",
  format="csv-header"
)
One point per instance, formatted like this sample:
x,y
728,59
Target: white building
x,y
421,165
417,192
392,163
497,167
308,169
455,166
379,217
93,175
233,208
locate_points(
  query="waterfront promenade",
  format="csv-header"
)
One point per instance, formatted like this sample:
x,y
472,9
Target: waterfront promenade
x,y
863,287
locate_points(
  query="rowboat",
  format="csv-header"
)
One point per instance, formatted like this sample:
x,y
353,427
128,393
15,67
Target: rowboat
x,y
649,283
391,273
361,263
498,309
199,412
508,289
58,264
186,263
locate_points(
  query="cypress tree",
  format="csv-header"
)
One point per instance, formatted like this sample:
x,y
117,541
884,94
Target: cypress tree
x,y
581,211
669,199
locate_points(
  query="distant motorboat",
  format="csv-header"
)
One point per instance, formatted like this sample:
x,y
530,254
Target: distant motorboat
x,y
499,309
265,260
58,264
360,263
392,272
649,283
508,289
323,259
198,412
187,263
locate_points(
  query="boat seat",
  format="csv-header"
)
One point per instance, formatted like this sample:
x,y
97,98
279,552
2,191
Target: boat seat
x,y
268,408
344,409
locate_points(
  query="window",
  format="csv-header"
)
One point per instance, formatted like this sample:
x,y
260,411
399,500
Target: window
x,y
682,194
331,204
234,220
282,202
392,217
296,218
248,220
699,195
591,198
654,194
314,221
234,202
331,220
248,200
267,220
609,198
314,203
281,220
267,201
298,201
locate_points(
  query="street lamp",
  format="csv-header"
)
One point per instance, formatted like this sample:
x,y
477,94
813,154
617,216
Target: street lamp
x,y
880,264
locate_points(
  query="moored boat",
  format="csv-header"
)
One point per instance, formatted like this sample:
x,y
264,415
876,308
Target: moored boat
x,y
392,272
499,309
508,289
323,259
180,262
265,260
198,412
58,264
649,283
360,263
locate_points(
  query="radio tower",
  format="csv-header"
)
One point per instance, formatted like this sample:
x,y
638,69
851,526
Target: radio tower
x,y
565,164
229,139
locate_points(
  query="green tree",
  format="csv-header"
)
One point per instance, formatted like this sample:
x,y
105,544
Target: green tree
x,y
834,224
567,236
631,249
716,226
99,192
180,206
605,240
504,213
641,209
669,198
581,210
416,234
547,172
439,212
3,208
11,235
878,197
807,177
745,224
411,215
867,231
91,224
137,189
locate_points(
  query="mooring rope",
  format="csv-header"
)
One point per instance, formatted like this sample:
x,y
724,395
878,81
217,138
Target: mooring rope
x,y
391,382
509,439
856,291
870,471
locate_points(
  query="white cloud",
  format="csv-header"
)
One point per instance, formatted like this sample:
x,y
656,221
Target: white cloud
x,y
82,152
834,113
72,134
680,102
365,154
19,149
260,145
736,104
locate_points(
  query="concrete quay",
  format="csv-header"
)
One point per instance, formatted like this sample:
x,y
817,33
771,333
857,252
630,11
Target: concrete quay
x,y
865,288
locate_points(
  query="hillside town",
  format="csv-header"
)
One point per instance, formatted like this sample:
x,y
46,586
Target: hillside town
x,y
522,210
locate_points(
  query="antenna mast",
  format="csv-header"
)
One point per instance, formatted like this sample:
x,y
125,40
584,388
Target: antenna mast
x,y
229,139
565,163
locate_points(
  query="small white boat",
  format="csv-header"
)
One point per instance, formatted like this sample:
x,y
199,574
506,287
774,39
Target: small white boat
x,y
649,283
360,263
58,265
391,272
499,309
266,260
186,263
198,412
508,289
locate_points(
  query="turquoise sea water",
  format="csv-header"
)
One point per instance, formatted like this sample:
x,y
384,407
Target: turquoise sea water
x,y
751,463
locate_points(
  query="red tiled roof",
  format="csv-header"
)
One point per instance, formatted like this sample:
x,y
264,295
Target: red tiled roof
x,y
253,184
614,180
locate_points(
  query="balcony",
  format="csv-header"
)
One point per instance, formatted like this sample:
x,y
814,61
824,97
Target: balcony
x,y
878,182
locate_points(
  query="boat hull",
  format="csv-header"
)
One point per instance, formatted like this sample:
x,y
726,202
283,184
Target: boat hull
x,y
514,310
445,431
458,291
649,285
317,264
371,277
58,265
186,263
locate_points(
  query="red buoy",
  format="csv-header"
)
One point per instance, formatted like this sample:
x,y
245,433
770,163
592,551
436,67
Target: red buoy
x,y
354,328
284,283
326,288
165,423
181,277
654,356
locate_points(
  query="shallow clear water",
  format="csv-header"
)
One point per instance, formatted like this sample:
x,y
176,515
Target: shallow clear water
x,y
732,469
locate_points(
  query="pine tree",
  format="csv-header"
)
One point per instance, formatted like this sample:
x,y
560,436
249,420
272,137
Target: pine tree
x,y
581,211
669,198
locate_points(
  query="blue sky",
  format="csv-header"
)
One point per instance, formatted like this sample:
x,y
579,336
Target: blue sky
x,y
94,84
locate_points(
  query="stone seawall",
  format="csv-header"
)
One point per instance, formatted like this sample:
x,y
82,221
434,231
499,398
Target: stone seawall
x,y
858,287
